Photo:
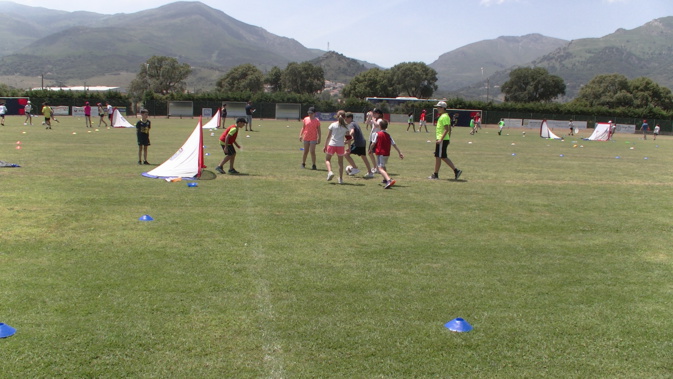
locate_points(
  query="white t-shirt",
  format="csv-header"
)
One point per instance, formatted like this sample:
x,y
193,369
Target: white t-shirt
x,y
375,129
3,109
338,136
656,129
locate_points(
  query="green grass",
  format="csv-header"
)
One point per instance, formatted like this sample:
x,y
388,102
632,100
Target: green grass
x,y
561,264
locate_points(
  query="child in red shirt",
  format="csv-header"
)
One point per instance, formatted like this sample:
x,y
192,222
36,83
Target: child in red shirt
x,y
227,141
381,147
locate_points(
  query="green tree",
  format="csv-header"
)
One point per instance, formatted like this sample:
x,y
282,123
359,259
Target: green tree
x,y
371,83
414,79
531,85
242,78
162,75
647,93
6,90
273,79
607,90
303,78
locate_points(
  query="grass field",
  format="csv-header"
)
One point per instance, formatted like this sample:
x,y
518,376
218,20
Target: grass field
x,y
562,264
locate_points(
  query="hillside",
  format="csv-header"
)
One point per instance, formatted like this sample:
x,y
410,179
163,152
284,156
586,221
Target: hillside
x,y
462,67
192,32
22,25
68,48
337,67
643,51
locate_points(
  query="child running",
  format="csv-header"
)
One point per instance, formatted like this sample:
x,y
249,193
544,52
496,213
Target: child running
x,y
358,147
227,141
336,140
381,147
374,121
3,110
410,122
101,114
46,111
27,110
421,123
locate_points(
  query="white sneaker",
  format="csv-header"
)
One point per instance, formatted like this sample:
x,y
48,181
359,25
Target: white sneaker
x,y
330,175
375,171
341,181
354,171
369,175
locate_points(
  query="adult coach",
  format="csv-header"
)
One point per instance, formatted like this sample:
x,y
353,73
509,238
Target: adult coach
x,y
249,110
443,135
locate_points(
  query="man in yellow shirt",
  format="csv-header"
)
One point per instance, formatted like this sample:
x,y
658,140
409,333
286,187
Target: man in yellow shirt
x,y
443,135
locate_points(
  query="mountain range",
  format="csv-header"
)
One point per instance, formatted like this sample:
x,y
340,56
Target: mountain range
x,y
468,64
67,48
82,44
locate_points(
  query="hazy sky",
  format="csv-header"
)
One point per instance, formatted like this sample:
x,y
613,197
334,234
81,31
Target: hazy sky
x,y
387,32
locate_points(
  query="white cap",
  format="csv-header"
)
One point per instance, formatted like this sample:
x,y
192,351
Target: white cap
x,y
441,104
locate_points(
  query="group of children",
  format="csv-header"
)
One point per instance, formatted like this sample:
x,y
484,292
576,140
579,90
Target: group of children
x,y
49,116
421,122
345,139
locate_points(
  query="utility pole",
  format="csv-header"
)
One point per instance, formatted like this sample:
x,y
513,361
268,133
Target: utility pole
x,y
482,77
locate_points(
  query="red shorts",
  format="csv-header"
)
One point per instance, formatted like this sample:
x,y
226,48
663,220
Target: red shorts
x,y
338,150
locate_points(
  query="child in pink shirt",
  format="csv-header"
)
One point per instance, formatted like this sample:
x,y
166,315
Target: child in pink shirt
x,y
310,136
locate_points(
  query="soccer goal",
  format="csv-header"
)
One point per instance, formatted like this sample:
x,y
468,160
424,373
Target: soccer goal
x,y
235,109
288,111
180,109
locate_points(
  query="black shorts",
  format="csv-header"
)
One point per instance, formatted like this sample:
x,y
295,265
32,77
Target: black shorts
x,y
228,150
143,139
359,151
443,146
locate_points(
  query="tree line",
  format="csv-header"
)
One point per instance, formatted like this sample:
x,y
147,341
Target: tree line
x,y
527,90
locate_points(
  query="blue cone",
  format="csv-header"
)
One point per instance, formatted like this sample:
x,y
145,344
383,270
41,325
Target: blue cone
x,y
192,184
458,325
6,330
146,218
